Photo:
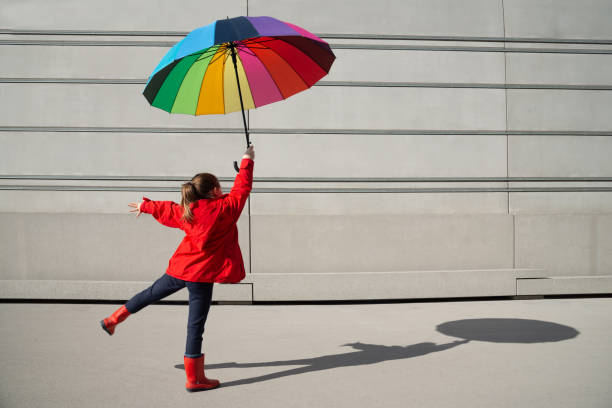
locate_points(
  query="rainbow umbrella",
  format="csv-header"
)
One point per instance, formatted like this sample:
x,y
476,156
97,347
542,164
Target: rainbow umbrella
x,y
270,60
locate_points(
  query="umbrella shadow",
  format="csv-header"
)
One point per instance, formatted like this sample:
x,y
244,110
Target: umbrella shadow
x,y
508,330
365,354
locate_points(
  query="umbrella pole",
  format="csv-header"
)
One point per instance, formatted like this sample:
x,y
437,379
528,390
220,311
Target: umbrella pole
x,y
246,131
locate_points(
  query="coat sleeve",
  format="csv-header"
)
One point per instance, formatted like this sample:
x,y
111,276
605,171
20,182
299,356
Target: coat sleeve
x,y
243,185
167,213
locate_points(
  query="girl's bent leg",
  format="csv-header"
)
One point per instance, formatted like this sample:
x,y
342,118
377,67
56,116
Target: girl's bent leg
x,y
162,287
200,296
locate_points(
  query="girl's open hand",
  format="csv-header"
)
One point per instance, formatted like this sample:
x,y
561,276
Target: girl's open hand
x,y
136,207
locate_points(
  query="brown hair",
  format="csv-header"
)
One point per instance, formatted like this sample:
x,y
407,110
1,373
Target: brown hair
x,y
201,186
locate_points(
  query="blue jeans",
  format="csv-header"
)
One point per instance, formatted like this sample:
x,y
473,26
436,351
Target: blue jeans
x,y
200,296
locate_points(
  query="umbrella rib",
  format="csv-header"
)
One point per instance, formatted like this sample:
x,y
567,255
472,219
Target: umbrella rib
x,y
209,51
289,65
217,58
258,48
244,48
263,47
202,83
221,55
272,78
225,54
257,41
245,75
251,43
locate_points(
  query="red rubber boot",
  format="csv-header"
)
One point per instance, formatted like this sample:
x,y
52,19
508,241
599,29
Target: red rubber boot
x,y
196,380
110,322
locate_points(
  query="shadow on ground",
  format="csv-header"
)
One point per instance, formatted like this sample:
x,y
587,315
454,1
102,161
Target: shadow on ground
x,y
508,330
493,330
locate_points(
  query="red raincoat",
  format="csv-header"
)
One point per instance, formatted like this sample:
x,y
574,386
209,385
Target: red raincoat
x,y
209,252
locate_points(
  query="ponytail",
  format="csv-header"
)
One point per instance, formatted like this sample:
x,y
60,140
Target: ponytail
x,y
200,187
189,195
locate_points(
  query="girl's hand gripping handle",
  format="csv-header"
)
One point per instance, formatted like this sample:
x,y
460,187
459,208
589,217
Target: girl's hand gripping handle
x,y
248,154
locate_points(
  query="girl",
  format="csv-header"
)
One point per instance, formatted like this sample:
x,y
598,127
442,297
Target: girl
x,y
208,253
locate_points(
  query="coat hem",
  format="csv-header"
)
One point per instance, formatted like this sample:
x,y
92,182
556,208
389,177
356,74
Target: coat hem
x,y
206,281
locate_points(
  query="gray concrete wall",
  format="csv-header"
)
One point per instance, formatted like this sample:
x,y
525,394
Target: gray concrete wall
x,y
444,110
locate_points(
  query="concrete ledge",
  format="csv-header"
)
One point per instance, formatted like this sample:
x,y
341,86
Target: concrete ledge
x,y
106,290
333,286
531,273
383,285
564,285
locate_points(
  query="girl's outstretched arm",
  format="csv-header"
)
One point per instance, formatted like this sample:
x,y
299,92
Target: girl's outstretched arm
x,y
167,213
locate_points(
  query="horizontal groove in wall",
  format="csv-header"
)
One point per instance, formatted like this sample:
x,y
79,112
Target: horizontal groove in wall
x,y
105,33
528,40
111,81
346,36
314,179
366,84
397,47
103,129
322,190
90,43
372,84
470,49
471,132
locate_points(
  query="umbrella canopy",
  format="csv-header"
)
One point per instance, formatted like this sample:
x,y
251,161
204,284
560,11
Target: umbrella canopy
x,y
271,60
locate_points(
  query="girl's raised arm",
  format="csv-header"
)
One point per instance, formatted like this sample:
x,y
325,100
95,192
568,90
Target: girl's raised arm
x,y
243,184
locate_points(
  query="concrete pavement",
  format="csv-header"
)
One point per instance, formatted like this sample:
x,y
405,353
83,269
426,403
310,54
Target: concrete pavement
x,y
506,353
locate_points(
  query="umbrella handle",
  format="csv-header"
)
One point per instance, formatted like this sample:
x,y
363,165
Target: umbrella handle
x,y
236,167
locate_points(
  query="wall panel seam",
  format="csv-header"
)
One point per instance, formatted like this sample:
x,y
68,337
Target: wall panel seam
x,y
92,177
167,44
396,37
506,102
356,84
283,131
319,190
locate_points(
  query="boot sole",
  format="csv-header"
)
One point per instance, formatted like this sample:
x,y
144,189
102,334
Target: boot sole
x,y
104,327
201,389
